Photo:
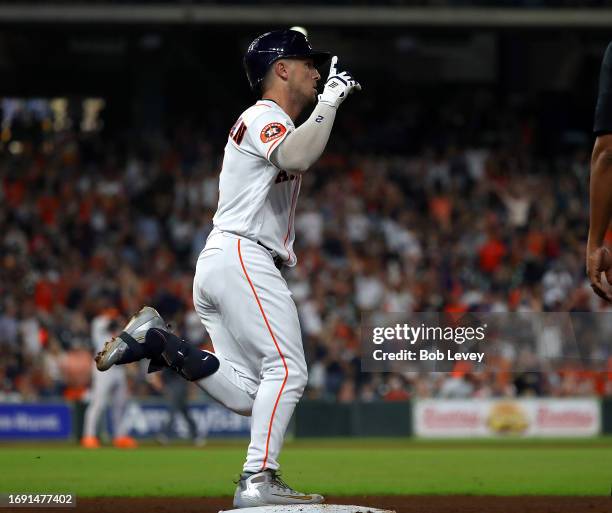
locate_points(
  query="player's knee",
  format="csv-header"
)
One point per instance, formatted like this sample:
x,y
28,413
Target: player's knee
x,y
290,369
243,409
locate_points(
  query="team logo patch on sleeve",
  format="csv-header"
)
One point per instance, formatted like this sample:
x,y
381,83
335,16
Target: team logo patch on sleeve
x,y
272,131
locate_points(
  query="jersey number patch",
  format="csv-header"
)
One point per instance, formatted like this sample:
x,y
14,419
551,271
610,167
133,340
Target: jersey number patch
x,y
237,132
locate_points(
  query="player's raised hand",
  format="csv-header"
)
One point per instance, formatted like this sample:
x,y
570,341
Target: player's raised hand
x,y
599,261
338,86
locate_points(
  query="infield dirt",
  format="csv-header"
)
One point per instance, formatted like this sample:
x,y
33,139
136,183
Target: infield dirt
x,y
399,503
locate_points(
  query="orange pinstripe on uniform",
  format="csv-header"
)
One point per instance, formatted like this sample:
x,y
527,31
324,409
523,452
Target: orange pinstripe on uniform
x,y
265,318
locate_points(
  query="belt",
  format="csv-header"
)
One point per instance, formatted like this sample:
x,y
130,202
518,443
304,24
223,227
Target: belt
x,y
278,261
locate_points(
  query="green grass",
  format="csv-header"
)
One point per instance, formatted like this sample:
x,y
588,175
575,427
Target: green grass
x,y
334,467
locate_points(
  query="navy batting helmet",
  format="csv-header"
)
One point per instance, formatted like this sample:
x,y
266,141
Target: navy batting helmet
x,y
278,44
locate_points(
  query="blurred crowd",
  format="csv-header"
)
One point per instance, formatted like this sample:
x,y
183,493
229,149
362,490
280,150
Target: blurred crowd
x,y
486,223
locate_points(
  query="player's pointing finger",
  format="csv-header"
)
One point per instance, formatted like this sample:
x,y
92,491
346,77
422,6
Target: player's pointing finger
x,y
332,66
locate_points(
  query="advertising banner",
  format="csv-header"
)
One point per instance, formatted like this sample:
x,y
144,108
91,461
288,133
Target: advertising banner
x,y
35,421
507,417
149,419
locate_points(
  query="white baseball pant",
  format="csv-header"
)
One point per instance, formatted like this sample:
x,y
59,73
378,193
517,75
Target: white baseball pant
x,y
109,386
247,309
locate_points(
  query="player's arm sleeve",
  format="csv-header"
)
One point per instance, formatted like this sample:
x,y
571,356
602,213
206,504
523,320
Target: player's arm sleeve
x,y
301,148
603,109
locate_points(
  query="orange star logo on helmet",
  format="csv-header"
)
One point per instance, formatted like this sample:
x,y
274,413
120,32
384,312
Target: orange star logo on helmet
x,y
272,131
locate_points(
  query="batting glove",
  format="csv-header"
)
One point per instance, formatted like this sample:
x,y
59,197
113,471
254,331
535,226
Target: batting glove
x,y
338,86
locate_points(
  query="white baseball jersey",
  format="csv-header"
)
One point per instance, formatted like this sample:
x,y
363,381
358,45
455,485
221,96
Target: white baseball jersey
x,y
257,200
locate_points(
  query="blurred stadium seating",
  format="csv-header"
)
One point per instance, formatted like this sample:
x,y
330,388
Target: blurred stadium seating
x,y
458,189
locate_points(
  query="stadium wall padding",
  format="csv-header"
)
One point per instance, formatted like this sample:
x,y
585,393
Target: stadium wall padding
x,y
322,418
606,416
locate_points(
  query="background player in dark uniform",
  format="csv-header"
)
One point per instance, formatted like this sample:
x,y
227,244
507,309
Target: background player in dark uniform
x,y
598,258
175,390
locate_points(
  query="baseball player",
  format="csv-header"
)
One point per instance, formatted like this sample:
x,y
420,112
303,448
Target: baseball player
x,y
258,367
176,392
110,387
598,258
